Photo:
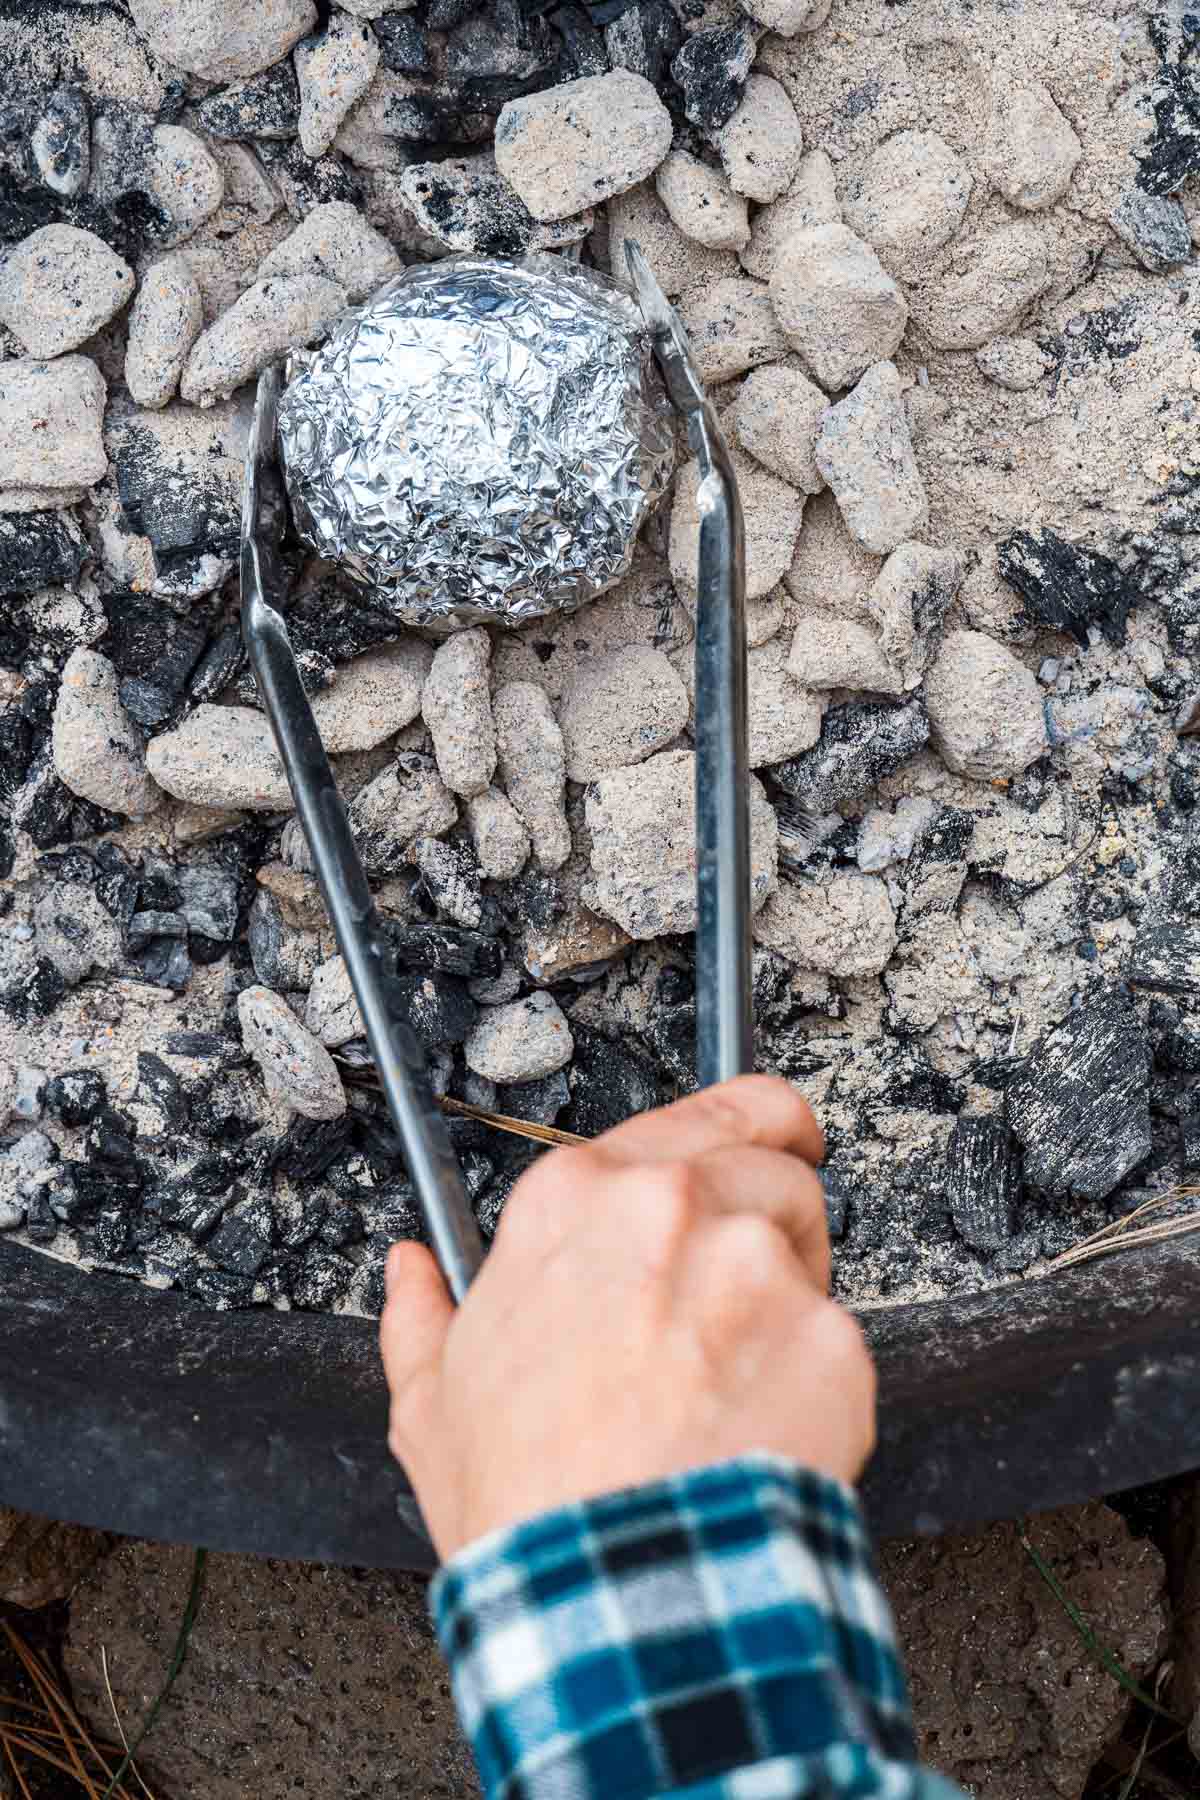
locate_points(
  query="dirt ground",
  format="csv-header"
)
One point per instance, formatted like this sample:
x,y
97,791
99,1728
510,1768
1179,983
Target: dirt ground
x,y
1023,1644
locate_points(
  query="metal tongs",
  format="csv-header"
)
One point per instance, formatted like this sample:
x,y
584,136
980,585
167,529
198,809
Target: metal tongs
x,y
724,1030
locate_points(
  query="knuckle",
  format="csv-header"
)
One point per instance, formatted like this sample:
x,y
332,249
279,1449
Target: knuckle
x,y
842,1339
674,1190
758,1251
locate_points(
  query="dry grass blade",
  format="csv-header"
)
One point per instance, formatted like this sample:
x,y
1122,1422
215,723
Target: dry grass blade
x,y
1126,1233
540,1134
137,1775
65,1730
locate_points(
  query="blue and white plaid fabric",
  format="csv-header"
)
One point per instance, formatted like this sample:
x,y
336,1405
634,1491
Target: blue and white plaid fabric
x,y
720,1635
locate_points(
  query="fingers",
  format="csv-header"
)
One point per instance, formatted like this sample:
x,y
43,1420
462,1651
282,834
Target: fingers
x,y
761,1110
412,1333
783,1189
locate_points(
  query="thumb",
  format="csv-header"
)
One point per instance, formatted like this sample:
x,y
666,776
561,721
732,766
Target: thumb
x,y
412,1333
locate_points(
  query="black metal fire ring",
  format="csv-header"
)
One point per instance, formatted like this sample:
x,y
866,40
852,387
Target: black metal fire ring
x,y
264,1431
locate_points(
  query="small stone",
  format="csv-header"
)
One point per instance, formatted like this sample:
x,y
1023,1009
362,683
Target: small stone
x,y
836,304
373,697
332,1013
571,146
1008,272
335,242
731,327
296,1068
1155,229
860,743
533,767
221,756
185,179
50,423
1015,363
164,322
711,67
58,286
761,145
909,198
98,751
1079,1104
983,1179
466,206
29,1093
985,708
678,263
829,652
643,828
764,618
773,512
451,877
575,943
701,202
61,142
908,601
333,71
776,417
400,806
1067,587
619,709
783,717
865,453
271,317
1033,150
810,200
75,931
456,706
500,839
521,1041
226,40
845,927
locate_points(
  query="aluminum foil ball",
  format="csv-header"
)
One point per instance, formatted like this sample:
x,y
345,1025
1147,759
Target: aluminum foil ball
x,y
480,442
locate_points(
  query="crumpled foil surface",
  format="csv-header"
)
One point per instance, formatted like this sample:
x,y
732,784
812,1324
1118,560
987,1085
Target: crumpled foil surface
x,y
481,442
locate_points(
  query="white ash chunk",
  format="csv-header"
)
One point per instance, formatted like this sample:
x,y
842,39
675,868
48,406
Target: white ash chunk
x,y
731,327
789,17
296,1068
810,200
333,71
836,303
678,263
521,1041
374,696
773,512
246,181
846,926
332,1013
1008,272
8,1089
985,708
75,931
533,767
701,202
60,142
223,40
271,317
465,205
619,709
782,716
761,144
500,839
164,322
335,241
1016,363
457,707
907,603
909,198
865,453
58,286
1033,149
571,146
829,652
51,418
185,178
221,756
403,804
451,877
764,618
776,417
830,570
643,829
98,750
891,837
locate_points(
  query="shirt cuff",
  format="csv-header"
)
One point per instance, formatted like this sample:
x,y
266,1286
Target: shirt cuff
x,y
661,1638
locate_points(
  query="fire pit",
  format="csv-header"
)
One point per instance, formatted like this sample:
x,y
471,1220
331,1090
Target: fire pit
x,y
944,297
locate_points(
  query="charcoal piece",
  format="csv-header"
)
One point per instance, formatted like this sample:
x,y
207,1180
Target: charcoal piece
x,y
299,1226
1067,587
219,1289
478,1170
144,640
266,105
39,550
341,1225
44,807
860,743
305,183
644,38
1079,1106
983,1166
444,15
215,1173
448,949
146,928
609,1082
537,1102
309,1146
321,1278
711,68
338,625
398,1211
166,963
1154,227
1189,1140
581,46
159,1099
238,1247
451,878
109,1233
924,1089
839,1193
62,1196
1172,153
1183,623
34,992
187,506
208,901
673,1040
437,1007
76,1096
115,883
16,753
1179,1049
201,1046
217,667
1166,958
490,60
403,43
41,1225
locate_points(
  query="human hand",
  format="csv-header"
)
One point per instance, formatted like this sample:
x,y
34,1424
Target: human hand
x,y
654,1301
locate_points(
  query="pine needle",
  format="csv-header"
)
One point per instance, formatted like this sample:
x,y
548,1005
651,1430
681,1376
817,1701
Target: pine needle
x,y
53,1726
526,1128
178,1657
1125,1234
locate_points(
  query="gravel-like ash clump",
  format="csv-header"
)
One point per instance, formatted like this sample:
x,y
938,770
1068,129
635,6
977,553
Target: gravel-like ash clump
x,y
938,273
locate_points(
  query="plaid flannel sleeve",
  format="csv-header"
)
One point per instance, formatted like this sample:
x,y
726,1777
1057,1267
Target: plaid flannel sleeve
x,y
720,1635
